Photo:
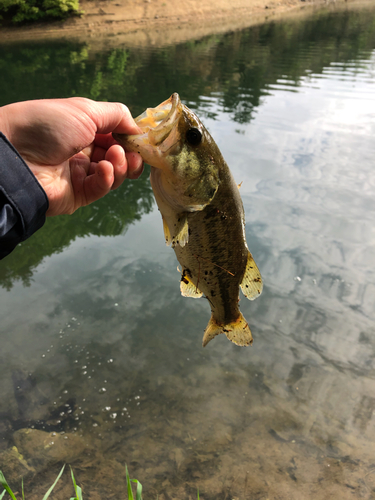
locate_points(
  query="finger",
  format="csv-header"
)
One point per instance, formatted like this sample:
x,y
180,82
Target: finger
x,y
116,155
88,150
135,165
99,183
83,160
78,174
104,140
98,154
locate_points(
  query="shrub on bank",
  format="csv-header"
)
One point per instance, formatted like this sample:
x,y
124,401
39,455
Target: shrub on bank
x,y
19,11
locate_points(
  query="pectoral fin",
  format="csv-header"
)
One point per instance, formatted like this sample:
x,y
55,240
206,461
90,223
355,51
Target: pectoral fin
x,y
237,332
176,230
187,287
180,231
167,234
252,284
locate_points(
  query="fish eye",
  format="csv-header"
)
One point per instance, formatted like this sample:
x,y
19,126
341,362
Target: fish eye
x,y
194,136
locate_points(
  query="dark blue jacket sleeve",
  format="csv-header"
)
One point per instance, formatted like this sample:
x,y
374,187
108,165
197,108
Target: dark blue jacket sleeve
x,y
23,202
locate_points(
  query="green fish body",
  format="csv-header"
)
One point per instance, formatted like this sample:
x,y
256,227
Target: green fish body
x,y
202,211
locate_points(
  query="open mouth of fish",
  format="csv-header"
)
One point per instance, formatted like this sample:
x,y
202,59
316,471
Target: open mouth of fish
x,y
159,129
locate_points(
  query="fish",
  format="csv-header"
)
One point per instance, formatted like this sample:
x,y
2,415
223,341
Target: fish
x,y
202,213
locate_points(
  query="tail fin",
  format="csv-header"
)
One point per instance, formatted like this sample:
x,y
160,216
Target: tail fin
x,y
237,332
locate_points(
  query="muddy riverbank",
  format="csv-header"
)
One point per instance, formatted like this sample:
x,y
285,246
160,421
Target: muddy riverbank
x,y
164,22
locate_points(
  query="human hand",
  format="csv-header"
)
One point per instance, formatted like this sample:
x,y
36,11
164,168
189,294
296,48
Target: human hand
x,y
68,145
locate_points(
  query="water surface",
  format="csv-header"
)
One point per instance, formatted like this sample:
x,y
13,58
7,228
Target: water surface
x,y
93,324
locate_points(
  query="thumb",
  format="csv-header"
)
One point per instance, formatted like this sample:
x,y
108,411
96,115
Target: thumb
x,y
108,116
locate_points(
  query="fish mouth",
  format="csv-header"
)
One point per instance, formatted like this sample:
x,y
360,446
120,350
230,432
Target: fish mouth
x,y
159,121
159,130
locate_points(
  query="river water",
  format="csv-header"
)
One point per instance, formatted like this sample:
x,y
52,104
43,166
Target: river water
x,y
101,362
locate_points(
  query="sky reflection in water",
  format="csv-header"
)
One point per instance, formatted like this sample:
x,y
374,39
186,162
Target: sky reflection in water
x,y
102,322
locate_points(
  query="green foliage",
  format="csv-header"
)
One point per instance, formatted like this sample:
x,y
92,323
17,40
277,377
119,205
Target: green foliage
x,y
138,495
35,10
54,484
6,487
77,489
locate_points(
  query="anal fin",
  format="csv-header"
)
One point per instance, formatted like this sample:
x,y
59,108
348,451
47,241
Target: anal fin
x,y
237,331
187,287
252,284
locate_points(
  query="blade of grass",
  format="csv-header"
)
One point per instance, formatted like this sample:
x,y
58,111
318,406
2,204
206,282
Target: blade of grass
x,y
138,495
79,493
3,493
23,493
54,484
77,489
130,492
198,492
5,485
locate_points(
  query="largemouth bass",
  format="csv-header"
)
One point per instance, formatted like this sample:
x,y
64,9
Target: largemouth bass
x,y
202,212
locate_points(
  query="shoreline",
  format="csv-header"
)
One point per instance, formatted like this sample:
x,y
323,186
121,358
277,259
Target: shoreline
x,y
159,23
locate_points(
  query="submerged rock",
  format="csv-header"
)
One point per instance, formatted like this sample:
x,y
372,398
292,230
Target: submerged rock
x,y
13,465
42,449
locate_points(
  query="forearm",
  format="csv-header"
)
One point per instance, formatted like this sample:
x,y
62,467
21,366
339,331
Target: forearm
x,y
23,202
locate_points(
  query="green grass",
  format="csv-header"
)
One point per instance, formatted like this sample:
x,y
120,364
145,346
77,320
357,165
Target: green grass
x,y
138,495
77,489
